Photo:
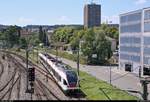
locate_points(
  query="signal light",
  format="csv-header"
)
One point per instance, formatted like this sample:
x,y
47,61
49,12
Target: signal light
x,y
32,74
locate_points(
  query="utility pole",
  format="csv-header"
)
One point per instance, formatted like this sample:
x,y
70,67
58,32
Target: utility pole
x,y
144,83
27,55
110,73
37,56
78,58
56,54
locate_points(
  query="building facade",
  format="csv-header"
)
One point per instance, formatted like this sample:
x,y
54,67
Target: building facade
x,y
134,40
92,15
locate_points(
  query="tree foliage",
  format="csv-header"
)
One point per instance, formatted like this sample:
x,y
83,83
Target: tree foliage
x,y
95,45
11,35
43,38
63,34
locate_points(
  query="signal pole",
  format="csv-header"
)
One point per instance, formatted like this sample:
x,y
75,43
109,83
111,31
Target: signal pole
x,y
37,55
56,54
27,55
78,72
144,83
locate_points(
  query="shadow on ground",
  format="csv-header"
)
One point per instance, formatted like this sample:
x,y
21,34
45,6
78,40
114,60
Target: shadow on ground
x,y
77,94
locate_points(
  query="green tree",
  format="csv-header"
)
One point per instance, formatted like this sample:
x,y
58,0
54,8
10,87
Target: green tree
x,y
23,43
43,37
95,43
33,40
63,34
102,47
40,34
45,40
77,36
88,46
12,35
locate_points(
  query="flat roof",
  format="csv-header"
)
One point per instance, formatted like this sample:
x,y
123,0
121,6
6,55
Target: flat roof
x,y
131,12
135,11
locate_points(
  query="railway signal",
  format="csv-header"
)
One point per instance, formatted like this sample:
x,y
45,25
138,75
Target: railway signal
x,y
31,74
3,57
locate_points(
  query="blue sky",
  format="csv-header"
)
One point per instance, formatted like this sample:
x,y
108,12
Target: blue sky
x,y
51,12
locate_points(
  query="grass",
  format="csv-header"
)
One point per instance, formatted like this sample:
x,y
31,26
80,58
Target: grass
x,y
99,90
93,88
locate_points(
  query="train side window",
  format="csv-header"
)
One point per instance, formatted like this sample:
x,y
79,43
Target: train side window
x,y
59,78
64,82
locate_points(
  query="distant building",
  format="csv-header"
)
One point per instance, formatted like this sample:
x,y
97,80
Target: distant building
x,y
92,15
114,25
134,48
25,33
3,27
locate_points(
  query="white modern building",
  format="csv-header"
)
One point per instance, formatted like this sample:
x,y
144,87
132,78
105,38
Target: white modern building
x,y
134,41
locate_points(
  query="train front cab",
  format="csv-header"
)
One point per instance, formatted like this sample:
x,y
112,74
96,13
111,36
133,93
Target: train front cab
x,y
72,81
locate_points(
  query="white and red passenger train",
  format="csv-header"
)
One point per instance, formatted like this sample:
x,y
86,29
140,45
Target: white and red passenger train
x,y
65,77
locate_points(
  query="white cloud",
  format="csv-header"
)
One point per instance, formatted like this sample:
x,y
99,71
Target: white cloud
x,y
138,2
24,21
64,20
110,19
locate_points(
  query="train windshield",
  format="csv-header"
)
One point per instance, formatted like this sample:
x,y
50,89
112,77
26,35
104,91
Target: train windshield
x,y
72,77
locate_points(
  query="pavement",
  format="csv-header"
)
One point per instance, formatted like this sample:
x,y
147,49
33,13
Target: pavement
x,y
123,80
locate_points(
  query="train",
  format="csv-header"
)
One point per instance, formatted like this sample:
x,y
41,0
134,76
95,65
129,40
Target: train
x,y
65,77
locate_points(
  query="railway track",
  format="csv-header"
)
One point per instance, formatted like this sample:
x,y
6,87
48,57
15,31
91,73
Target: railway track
x,y
38,93
8,82
18,88
10,89
46,90
2,69
43,87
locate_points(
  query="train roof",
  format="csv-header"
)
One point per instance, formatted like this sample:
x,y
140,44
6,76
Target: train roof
x,y
63,67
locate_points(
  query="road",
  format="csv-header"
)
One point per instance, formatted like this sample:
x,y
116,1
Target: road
x,y
121,79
